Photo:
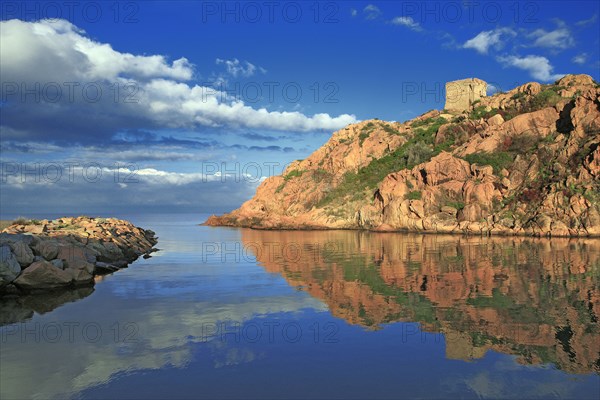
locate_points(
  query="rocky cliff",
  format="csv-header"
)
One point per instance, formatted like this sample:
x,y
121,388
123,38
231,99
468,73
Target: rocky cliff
x,y
524,162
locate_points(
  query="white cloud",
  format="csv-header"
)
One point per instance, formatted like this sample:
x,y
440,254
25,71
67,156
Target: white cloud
x,y
63,50
486,39
236,68
164,98
354,12
558,39
588,21
372,11
491,89
538,67
408,22
580,58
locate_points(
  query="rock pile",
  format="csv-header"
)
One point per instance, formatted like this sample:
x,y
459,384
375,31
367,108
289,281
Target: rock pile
x,y
67,252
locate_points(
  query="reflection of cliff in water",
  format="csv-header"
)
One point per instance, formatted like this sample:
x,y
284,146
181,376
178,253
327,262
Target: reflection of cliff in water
x,y
538,299
21,308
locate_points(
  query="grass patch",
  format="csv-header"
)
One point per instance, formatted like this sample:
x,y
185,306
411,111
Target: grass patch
x,y
414,195
24,221
480,112
365,132
417,149
436,121
389,129
295,173
362,137
498,160
459,205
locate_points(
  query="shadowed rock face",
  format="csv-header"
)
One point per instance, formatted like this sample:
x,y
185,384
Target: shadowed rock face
x,y
538,299
525,162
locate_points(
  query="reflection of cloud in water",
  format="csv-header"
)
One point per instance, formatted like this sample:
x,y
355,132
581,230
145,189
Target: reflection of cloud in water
x,y
168,330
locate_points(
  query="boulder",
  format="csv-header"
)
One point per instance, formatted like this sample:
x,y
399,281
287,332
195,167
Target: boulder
x,y
102,268
9,266
110,252
47,249
23,253
58,263
26,238
580,79
79,262
531,88
496,120
43,275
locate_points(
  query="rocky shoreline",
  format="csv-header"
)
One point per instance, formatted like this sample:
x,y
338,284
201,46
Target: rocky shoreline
x,y
39,256
521,163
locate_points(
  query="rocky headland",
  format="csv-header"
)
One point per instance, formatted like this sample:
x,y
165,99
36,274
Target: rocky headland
x,y
523,162
67,252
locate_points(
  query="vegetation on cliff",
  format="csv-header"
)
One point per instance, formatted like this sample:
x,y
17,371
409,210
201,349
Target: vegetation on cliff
x,y
522,162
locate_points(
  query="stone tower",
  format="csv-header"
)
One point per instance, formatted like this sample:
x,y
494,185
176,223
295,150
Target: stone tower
x,y
461,94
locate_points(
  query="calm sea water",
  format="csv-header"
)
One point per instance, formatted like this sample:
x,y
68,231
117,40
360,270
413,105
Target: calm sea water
x,y
238,313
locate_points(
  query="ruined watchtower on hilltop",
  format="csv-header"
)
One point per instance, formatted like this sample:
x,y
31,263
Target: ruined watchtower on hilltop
x,y
461,94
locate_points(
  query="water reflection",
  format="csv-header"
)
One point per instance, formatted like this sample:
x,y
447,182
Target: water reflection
x,y
531,300
538,299
15,309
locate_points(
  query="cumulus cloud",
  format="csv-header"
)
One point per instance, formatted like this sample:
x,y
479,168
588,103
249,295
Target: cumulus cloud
x,y
488,39
409,22
154,93
538,67
558,39
371,11
65,53
236,68
580,58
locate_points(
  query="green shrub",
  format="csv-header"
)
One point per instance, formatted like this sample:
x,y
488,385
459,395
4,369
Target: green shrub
x,y
293,174
524,143
389,129
417,149
418,153
21,221
414,195
545,98
280,188
459,205
497,160
428,121
480,112
320,175
362,137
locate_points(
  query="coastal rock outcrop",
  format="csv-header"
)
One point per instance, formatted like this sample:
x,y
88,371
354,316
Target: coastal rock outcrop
x,y
67,252
524,162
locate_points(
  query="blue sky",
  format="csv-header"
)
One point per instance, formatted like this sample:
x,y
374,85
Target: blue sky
x,y
189,89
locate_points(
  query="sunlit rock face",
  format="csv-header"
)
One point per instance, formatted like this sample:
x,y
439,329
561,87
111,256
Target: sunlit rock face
x,y
461,94
524,162
535,298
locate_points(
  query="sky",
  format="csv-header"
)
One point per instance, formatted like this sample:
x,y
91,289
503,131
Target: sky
x,y
186,106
